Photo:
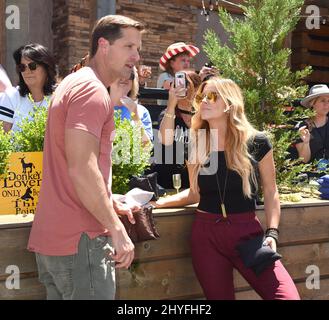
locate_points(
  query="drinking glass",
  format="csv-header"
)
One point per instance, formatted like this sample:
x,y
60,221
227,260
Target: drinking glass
x,y
177,181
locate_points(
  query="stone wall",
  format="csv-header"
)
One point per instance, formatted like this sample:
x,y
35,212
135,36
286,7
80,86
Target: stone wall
x,y
166,21
71,27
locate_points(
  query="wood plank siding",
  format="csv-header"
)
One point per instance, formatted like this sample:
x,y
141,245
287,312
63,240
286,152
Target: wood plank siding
x,y
311,46
162,269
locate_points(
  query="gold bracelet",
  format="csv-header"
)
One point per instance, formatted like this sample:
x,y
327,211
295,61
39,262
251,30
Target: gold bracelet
x,y
169,115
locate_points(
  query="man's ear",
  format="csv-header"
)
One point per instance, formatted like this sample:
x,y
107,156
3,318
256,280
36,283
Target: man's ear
x,y
103,43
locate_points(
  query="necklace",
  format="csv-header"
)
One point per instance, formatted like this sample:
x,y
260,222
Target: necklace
x,y
40,103
222,196
191,113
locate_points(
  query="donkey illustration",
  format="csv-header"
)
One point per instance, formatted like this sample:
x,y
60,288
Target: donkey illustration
x,y
27,195
26,165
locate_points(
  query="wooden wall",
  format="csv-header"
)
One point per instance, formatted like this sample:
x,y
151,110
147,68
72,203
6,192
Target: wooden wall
x,y
162,268
311,47
2,32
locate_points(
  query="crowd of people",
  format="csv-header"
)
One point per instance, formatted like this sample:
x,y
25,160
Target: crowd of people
x,y
221,169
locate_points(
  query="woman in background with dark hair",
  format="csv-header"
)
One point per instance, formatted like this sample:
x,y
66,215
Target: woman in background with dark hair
x,y
37,79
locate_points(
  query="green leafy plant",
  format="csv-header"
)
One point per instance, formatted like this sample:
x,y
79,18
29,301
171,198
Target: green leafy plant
x,y
258,61
30,138
6,148
130,155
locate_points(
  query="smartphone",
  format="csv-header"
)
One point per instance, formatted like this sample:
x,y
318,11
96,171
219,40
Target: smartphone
x,y
180,80
208,65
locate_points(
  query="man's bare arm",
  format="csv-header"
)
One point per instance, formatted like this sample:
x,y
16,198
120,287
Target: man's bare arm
x,y
82,150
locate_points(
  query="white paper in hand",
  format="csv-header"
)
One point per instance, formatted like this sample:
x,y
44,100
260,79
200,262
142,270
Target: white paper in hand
x,y
138,196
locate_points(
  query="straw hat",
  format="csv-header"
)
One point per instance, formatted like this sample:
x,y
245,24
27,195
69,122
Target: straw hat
x,y
316,91
175,49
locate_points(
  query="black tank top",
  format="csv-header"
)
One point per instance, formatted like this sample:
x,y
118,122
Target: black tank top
x,y
234,201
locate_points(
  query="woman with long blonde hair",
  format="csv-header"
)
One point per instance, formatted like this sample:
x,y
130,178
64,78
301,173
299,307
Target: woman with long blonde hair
x,y
227,159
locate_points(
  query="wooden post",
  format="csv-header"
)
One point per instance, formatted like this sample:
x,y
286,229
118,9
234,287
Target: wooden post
x,y
2,33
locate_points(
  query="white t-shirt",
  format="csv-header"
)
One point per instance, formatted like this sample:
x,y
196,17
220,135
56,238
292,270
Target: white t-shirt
x,y
165,76
14,108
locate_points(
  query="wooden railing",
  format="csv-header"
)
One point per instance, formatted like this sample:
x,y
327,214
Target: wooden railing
x,y
162,268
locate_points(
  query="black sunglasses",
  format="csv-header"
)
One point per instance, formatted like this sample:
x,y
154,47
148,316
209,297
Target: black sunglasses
x,y
22,67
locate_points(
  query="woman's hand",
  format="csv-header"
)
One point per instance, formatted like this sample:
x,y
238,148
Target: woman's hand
x,y
304,134
208,71
153,204
269,241
157,204
144,73
130,104
176,94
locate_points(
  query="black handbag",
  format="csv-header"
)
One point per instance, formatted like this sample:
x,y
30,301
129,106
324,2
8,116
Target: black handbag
x,y
147,182
256,256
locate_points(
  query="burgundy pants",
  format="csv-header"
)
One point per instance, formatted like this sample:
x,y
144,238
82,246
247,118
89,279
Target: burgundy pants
x,y
214,255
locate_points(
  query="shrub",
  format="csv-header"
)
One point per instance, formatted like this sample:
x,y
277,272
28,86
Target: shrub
x,y
130,156
6,148
30,138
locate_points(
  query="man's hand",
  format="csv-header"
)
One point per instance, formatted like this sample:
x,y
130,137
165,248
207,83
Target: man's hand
x,y
125,209
123,254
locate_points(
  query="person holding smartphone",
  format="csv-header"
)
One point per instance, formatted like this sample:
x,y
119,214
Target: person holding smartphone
x,y
176,58
174,124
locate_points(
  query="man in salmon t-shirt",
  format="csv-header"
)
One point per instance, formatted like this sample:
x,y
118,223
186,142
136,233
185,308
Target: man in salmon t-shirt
x,y
76,234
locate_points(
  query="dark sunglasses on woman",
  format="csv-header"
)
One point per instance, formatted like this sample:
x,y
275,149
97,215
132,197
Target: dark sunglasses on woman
x,y
22,67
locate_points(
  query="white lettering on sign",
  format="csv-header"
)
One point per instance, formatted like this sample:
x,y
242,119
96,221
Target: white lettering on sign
x,y
13,18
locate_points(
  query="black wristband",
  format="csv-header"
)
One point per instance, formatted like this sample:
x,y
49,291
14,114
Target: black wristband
x,y
273,233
